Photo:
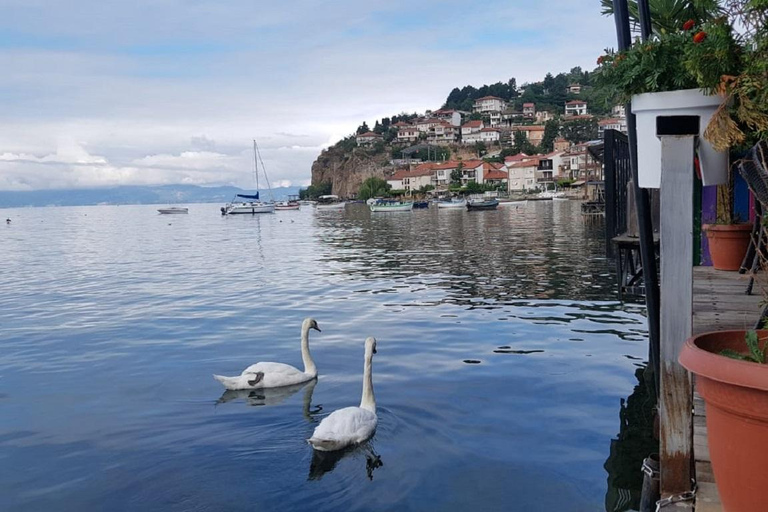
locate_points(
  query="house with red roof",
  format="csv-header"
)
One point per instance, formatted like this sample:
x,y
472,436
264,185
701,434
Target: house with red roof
x,y
494,173
613,123
488,104
368,138
490,135
412,180
407,133
575,108
470,131
534,132
522,175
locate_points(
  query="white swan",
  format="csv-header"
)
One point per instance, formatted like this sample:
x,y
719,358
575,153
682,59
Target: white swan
x,y
350,425
274,375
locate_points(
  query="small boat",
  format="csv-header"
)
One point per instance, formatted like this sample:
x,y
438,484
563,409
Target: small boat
x,y
420,205
452,204
250,203
330,202
173,210
291,204
560,198
513,203
390,206
487,204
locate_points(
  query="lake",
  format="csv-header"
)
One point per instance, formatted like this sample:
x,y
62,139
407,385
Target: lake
x,y
503,369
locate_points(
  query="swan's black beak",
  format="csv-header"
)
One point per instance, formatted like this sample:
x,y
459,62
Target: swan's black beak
x,y
316,328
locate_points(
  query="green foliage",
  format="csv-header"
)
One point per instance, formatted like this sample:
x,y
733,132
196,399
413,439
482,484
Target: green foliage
x,y
480,148
456,174
313,192
551,131
426,188
473,187
669,15
363,128
475,116
579,130
373,187
521,144
756,353
464,98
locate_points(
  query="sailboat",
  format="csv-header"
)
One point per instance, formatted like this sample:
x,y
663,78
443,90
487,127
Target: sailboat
x,y
250,203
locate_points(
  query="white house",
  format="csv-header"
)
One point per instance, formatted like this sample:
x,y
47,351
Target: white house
x,y
407,134
472,170
488,104
449,116
368,138
412,180
522,175
470,131
443,133
618,111
575,108
617,123
489,135
543,116
427,125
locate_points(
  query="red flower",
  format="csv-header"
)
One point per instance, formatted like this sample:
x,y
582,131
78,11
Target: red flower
x,y
699,37
600,60
688,25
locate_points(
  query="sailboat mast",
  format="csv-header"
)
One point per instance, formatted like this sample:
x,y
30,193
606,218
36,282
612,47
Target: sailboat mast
x,y
255,165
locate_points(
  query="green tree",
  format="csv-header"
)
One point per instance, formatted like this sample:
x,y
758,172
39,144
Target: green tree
x,y
475,116
551,131
480,148
669,15
373,187
580,130
521,144
363,128
315,191
474,187
456,174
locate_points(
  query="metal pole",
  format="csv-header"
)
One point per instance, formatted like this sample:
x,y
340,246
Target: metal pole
x,y
645,226
644,12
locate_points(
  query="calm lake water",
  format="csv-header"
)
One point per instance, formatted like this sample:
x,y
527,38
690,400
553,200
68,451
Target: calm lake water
x,y
503,359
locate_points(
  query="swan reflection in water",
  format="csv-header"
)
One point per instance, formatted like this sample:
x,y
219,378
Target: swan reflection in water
x,y
274,396
325,462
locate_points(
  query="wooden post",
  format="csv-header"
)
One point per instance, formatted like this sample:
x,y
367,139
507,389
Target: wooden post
x,y
675,407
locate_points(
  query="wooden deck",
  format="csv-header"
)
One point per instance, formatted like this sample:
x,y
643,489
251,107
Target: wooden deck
x,y
719,303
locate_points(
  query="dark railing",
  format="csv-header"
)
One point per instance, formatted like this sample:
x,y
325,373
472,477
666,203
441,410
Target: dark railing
x,y
618,173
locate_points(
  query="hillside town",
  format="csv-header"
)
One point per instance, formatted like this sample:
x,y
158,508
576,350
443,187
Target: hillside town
x,y
489,133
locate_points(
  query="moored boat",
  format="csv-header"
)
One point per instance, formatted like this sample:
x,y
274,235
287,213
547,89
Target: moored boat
x,y
420,205
452,204
291,204
391,206
250,203
172,210
330,202
487,204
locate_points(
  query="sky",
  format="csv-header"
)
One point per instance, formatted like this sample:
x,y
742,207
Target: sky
x,y
101,93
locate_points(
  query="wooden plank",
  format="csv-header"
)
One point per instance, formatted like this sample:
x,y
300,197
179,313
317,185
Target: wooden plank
x,y
676,312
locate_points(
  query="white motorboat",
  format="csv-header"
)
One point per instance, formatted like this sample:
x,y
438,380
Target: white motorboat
x,y
171,210
250,203
391,206
291,204
453,204
330,202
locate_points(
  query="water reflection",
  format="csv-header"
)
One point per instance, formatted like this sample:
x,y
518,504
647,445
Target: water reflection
x,y
497,256
325,462
633,444
274,396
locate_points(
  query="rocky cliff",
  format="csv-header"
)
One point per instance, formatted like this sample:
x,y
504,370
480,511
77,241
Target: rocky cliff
x,y
346,168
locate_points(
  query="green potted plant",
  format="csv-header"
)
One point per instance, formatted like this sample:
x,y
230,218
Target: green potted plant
x,y
702,68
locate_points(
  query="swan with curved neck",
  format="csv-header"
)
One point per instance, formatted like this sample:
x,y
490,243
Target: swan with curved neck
x,y
274,375
351,425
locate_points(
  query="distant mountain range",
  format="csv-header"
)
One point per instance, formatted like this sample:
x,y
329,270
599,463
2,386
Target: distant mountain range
x,y
164,194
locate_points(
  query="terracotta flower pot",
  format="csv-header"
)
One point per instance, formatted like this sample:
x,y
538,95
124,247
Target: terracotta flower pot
x,y
736,394
727,244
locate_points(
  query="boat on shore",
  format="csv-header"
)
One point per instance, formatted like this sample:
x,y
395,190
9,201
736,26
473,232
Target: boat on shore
x,y
452,204
486,204
173,210
250,203
391,206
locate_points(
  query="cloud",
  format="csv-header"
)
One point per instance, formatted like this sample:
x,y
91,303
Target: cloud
x,y
176,90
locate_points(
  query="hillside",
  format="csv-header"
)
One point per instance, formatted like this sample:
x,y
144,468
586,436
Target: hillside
x,y
342,167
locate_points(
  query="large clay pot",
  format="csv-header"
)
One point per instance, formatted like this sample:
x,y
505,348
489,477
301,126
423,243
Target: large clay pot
x,y
727,244
687,102
736,394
